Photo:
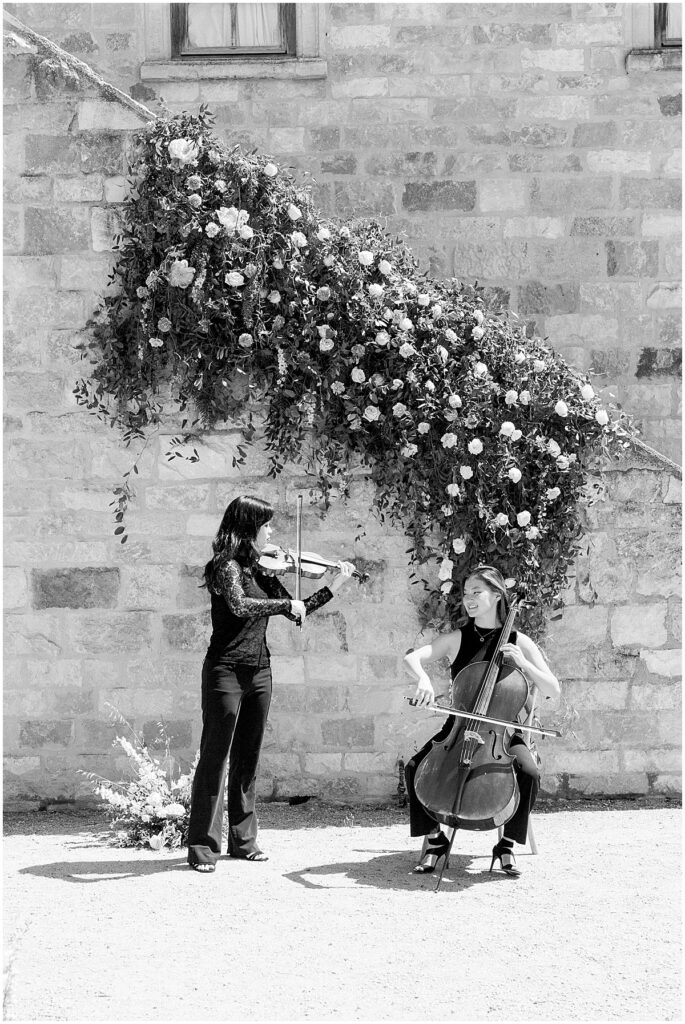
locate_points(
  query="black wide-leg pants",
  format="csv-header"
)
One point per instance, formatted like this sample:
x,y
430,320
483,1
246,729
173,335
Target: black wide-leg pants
x,y
527,776
235,707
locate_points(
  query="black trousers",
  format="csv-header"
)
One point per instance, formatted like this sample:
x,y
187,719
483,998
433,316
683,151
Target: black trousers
x,y
527,777
235,706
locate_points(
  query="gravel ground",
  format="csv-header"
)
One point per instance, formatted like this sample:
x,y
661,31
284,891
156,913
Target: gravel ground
x,y
335,927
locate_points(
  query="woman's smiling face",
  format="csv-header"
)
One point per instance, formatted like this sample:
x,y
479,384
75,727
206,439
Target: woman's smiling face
x,y
479,599
262,538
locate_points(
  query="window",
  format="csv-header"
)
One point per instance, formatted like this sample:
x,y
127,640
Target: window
x,y
668,25
226,30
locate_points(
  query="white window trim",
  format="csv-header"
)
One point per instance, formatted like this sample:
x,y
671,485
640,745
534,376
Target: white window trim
x,y
307,63
643,55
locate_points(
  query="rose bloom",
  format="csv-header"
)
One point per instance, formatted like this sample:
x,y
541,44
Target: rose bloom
x,y
397,383
409,450
323,293
448,440
430,386
228,217
344,232
562,462
477,333
250,270
466,472
587,392
274,297
447,510
184,151
194,182
423,299
214,156
180,274
516,435
366,258
459,545
357,351
270,170
212,229
501,519
326,344
539,365
294,212
336,387
299,240
532,533
553,449
507,428
245,341
358,375
450,336
371,413
446,587
375,290
142,292
443,354
329,260
552,493
156,342
277,263
561,408
164,325
523,518
511,397
520,357
452,490
406,350
455,401
514,474
246,232
323,234
376,380
436,311
524,397
382,338
602,417
423,427
405,324
480,369
195,201
475,446
220,185
384,268
399,409
446,567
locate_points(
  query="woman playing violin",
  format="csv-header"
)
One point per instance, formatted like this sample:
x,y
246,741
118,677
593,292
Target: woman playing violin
x,y
486,603
236,680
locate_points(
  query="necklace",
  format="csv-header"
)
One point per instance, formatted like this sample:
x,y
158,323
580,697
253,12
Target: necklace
x,y
486,634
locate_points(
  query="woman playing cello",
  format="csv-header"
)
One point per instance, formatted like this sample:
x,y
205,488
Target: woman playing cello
x,y
486,603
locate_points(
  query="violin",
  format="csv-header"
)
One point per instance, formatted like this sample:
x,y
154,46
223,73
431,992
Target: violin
x,y
276,561
467,780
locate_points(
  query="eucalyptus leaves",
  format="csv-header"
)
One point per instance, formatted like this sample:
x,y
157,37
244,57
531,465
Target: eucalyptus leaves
x,y
236,297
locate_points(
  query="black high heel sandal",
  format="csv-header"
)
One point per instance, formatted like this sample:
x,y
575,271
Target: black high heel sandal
x,y
504,853
437,847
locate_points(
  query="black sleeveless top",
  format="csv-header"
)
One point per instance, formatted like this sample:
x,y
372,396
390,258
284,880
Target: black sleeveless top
x,y
474,649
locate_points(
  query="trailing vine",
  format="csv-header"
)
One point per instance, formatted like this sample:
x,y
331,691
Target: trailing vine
x,y
234,300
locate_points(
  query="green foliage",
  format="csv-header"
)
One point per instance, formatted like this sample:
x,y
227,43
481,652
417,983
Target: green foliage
x,y
234,300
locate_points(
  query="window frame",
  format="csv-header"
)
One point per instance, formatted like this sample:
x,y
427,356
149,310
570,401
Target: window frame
x,y
178,28
660,18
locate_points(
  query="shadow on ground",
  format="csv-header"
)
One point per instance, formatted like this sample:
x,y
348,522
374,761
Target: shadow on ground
x,y
89,871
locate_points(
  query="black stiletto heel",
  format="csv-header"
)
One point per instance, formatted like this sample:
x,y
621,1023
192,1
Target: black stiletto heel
x,y
437,848
504,853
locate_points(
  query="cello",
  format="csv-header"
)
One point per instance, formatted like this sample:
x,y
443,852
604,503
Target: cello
x,y
467,780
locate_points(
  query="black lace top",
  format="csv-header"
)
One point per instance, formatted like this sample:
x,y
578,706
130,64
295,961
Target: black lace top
x,y
243,598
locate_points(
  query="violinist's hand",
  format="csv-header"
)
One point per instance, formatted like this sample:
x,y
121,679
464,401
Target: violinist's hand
x,y
425,694
298,608
345,574
514,653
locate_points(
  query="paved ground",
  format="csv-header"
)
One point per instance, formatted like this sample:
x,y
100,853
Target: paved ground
x,y
335,927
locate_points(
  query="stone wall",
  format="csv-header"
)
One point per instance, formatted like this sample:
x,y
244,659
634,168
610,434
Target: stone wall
x,y
510,146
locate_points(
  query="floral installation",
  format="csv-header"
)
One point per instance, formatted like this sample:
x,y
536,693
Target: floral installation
x,y
235,300
152,807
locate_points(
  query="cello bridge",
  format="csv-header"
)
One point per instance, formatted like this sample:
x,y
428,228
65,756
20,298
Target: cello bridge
x,y
470,734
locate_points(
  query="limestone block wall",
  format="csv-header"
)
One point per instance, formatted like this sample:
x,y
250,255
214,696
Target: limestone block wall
x,y
474,129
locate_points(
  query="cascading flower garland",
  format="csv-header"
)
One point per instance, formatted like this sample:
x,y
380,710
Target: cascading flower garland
x,y
234,299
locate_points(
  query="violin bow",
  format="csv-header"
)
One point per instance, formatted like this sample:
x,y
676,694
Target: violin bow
x,y
483,718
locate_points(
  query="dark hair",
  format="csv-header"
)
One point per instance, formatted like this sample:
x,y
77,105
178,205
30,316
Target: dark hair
x,y
241,522
493,579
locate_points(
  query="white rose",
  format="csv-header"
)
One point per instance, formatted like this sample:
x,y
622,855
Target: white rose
x,y
446,587
326,344
294,212
234,279
376,290
524,397
552,493
538,365
323,293
514,474
423,427
507,428
329,260
405,324
455,401
602,417
450,336
477,333
372,412
587,392
532,533
155,342
466,472
511,397
520,357
180,274
423,299
523,518
228,217
447,510
406,350
446,567
366,258
562,462
270,170
212,229
358,375
516,435
436,311
459,546
430,386
453,491
382,338
336,387
344,232
480,369
299,240
245,341
384,268
448,440
475,446
501,519
443,354
409,450
323,234
246,232
553,449
184,151
274,296
478,316
399,409
561,408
